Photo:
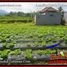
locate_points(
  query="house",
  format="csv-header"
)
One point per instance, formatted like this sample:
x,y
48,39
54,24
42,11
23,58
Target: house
x,y
48,15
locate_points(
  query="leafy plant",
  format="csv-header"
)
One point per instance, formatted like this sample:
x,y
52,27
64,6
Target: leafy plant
x,y
4,45
12,44
43,43
36,43
15,52
28,53
4,53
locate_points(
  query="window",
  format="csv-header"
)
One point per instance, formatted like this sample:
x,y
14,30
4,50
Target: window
x,y
51,15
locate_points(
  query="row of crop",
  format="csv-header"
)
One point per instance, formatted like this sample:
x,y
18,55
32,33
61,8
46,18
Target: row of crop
x,y
30,44
26,29
13,21
26,54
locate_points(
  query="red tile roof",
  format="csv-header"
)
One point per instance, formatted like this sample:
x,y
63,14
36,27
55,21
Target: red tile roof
x,y
49,9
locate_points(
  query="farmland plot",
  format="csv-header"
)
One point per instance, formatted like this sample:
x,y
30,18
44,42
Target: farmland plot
x,y
17,39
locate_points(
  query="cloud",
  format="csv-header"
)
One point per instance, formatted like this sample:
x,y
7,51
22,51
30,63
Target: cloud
x,y
29,6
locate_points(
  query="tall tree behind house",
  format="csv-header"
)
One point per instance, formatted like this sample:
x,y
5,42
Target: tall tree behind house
x,y
62,14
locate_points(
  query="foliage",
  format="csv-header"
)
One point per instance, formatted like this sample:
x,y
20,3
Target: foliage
x,y
4,53
28,53
14,19
11,45
4,45
62,15
28,31
15,52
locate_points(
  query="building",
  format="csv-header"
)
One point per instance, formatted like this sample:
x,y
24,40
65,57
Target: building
x,y
48,16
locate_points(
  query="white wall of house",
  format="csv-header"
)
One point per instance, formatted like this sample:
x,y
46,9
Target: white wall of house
x,y
48,18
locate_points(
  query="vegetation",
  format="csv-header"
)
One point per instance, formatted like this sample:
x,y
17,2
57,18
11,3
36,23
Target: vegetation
x,y
21,31
14,19
12,31
62,15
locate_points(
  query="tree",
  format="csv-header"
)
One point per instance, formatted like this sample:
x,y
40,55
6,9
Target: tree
x,y
12,14
20,14
62,15
16,14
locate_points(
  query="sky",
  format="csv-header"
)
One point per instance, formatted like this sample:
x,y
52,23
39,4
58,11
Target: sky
x,y
30,6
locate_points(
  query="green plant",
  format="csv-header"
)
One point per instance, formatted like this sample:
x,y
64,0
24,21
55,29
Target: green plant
x,y
4,53
36,43
11,44
17,51
43,43
28,53
4,45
